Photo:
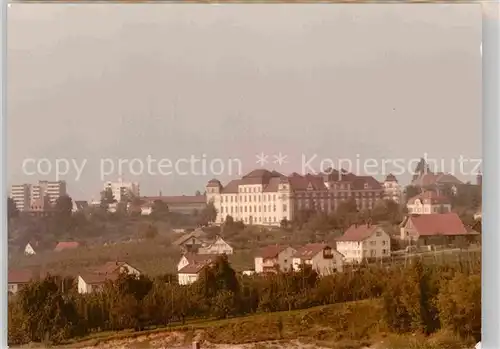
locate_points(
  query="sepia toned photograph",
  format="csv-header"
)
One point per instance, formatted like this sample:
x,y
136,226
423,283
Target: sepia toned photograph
x,y
244,176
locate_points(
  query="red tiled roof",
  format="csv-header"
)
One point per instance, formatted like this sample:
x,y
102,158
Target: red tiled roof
x,y
310,250
429,179
20,276
271,251
429,197
66,245
358,232
438,224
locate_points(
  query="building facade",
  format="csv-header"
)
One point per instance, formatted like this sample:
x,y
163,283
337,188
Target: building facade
x,y
51,189
21,194
364,242
267,197
272,258
122,190
392,189
322,258
428,202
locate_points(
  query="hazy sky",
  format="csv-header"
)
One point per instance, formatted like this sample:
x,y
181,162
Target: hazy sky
x,y
230,81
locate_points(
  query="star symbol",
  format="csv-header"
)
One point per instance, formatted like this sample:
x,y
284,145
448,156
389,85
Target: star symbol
x,y
280,159
261,159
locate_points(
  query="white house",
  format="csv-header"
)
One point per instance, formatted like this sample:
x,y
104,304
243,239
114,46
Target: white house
x,y
29,250
93,282
321,257
428,202
95,279
192,258
219,246
191,272
362,242
273,258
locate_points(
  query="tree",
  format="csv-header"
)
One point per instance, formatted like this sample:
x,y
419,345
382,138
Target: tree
x,y
159,210
64,206
209,214
107,198
151,232
412,191
12,208
197,193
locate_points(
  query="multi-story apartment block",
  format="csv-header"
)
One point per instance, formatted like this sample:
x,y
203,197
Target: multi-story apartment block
x,y
51,189
26,195
121,190
266,198
21,194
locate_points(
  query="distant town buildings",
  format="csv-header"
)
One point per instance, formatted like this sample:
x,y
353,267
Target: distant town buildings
x,y
37,197
185,204
267,197
122,190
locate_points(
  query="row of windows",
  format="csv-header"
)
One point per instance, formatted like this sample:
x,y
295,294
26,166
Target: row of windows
x,y
256,220
250,209
256,198
272,197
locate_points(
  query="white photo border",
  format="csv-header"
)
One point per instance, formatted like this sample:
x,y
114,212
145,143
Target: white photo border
x,y
490,287
490,311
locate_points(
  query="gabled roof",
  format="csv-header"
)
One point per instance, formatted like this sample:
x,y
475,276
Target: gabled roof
x,y
198,234
173,200
429,179
271,251
310,250
195,268
358,232
66,245
20,276
438,224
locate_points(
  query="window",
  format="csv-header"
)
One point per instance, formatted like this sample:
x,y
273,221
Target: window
x,y
383,243
378,234
245,209
222,209
249,208
264,208
284,208
250,198
384,251
274,208
372,243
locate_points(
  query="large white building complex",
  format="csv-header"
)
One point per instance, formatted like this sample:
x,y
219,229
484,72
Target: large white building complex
x,y
27,195
267,197
122,189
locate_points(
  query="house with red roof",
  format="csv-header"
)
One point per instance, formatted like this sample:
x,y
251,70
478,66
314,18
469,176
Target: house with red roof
x,y
66,245
94,280
320,256
89,282
428,202
426,228
364,242
17,279
272,258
